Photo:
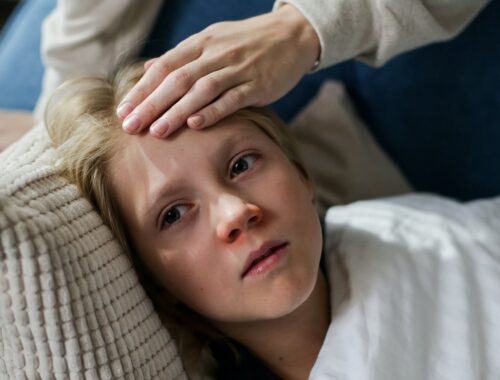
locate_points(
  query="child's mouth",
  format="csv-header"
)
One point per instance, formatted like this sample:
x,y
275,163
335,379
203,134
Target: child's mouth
x,y
265,258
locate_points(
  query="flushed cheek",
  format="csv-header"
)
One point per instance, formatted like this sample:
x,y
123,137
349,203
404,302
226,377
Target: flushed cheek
x,y
215,300
213,291
196,280
176,269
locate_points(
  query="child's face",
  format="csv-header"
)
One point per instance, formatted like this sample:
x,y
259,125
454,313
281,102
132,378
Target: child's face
x,y
199,203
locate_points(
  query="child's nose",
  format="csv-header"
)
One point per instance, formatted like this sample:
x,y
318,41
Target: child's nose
x,y
236,217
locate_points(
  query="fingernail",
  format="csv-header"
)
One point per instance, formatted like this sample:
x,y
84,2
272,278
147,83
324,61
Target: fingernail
x,y
124,109
131,123
159,128
196,121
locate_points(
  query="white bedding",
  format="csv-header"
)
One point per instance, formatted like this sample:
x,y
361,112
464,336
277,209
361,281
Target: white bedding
x,y
424,276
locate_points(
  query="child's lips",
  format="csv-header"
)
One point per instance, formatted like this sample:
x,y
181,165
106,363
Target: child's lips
x,y
264,258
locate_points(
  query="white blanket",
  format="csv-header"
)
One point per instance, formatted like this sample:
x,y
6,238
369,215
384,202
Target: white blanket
x,y
424,277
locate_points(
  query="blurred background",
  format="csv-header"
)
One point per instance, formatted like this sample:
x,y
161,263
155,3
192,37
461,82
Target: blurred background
x,y
434,110
6,7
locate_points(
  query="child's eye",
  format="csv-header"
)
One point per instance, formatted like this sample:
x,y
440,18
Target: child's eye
x,y
173,215
242,164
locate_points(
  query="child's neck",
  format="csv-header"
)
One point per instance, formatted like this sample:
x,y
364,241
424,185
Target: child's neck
x,y
289,346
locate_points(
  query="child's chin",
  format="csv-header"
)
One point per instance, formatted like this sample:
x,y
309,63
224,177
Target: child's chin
x,y
285,306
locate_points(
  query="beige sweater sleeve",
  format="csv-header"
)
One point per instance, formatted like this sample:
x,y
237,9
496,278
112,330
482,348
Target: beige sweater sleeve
x,y
91,37
374,31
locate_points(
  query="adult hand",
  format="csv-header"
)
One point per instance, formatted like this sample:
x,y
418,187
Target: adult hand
x,y
226,67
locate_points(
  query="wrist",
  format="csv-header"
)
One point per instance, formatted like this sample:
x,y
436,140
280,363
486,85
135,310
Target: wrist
x,y
303,33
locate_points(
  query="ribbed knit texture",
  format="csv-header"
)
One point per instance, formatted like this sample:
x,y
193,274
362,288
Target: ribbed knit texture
x,y
374,31
71,306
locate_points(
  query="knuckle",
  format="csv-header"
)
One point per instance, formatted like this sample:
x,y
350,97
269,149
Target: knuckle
x,y
209,86
140,93
177,116
149,109
233,54
206,34
212,114
212,31
182,80
192,43
205,38
235,97
200,40
189,40
161,68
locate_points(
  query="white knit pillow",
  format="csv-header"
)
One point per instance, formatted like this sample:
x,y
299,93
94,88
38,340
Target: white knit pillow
x,y
71,306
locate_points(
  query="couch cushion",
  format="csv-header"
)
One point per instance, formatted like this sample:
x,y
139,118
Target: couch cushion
x,y
71,305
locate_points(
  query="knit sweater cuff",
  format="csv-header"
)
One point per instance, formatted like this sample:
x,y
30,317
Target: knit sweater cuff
x,y
344,28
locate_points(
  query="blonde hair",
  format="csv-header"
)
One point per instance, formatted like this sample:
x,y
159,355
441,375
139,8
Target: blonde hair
x,y
83,126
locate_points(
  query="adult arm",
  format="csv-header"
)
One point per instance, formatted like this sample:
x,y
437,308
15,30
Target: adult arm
x,y
91,37
229,66
238,63
374,31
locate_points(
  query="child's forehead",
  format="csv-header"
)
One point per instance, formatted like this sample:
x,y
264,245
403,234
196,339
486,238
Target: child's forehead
x,y
145,164
230,127
226,134
229,130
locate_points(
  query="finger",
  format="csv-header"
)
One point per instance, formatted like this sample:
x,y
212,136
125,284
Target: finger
x,y
152,78
149,63
231,101
174,87
203,92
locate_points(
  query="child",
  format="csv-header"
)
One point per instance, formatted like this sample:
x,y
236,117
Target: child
x,y
222,226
